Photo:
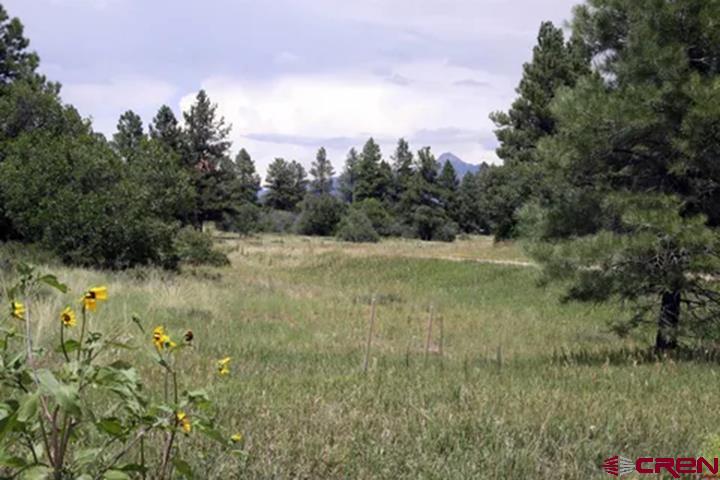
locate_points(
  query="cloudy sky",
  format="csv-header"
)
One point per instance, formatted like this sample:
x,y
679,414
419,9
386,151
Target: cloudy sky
x,y
292,75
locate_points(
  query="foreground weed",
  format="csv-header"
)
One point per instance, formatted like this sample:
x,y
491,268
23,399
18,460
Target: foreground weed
x,y
82,411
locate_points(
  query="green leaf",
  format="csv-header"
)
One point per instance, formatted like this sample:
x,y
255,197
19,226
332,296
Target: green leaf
x,y
70,346
116,475
6,460
52,281
111,426
210,432
66,396
85,457
183,468
28,408
37,472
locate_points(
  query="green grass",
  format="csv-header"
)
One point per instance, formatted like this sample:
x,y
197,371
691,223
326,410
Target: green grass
x,y
293,314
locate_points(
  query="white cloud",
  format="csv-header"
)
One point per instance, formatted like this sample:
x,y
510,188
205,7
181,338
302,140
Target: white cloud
x,y
106,101
283,117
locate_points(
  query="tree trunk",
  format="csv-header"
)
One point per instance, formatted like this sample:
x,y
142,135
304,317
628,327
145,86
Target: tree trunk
x,y
668,321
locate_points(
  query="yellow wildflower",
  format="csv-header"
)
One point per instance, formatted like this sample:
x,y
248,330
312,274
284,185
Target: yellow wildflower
x,y
94,295
224,366
237,438
162,340
18,310
184,421
68,317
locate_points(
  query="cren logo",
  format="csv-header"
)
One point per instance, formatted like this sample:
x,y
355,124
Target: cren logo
x,y
618,466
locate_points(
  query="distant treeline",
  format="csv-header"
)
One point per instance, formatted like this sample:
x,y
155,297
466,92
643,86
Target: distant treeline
x,y
122,201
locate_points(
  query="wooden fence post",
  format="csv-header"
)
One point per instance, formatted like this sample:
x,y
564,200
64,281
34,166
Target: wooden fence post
x,y
370,335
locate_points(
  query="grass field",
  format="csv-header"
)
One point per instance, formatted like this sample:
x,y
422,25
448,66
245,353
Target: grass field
x,y
527,387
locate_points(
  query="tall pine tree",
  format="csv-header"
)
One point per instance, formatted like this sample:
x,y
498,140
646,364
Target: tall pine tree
x,y
207,148
348,178
322,173
636,149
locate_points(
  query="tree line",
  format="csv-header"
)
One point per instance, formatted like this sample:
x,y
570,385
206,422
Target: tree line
x,y
145,188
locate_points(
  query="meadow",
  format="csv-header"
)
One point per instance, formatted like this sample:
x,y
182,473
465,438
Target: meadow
x,y
527,386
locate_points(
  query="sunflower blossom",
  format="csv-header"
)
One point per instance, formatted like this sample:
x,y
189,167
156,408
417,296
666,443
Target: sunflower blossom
x,y
161,339
184,421
237,438
93,296
224,366
67,317
18,310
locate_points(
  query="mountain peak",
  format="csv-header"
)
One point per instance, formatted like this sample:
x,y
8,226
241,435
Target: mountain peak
x,y
461,167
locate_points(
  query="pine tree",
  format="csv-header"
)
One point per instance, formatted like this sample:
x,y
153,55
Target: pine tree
x,y
555,64
247,178
402,168
166,129
16,61
369,183
286,183
207,148
348,178
126,140
637,217
448,184
322,172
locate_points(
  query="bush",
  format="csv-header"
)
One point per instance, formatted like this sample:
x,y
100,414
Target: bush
x,y
432,224
245,219
319,215
73,195
196,248
378,215
276,221
446,233
356,227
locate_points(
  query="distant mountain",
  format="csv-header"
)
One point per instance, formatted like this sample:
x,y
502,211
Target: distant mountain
x,y
461,167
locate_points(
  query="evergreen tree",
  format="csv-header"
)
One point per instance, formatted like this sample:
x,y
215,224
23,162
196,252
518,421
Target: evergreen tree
x,y
286,183
166,129
471,216
207,148
369,183
322,172
402,168
16,61
348,178
448,184
555,64
129,135
247,178
635,151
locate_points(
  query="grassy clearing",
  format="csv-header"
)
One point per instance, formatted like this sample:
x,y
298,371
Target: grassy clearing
x,y
293,312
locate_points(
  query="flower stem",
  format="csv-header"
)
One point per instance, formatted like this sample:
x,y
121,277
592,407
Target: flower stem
x,y
62,342
82,331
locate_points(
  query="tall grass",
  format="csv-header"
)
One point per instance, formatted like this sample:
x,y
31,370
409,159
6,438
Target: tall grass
x,y
293,313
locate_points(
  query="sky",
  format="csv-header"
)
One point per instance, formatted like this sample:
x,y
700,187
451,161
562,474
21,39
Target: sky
x,y
293,75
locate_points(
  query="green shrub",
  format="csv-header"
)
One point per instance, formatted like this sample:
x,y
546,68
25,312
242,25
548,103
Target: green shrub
x,y
276,221
356,227
381,220
73,195
196,248
446,233
319,215
245,219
